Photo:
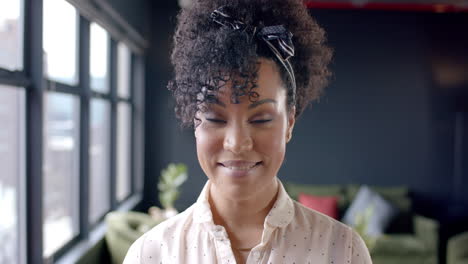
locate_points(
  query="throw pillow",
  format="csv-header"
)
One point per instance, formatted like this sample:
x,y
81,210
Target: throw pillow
x,y
376,210
327,205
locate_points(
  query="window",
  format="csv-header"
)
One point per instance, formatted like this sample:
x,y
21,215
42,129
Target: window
x,y
12,158
123,151
61,167
60,41
99,59
11,35
66,143
124,122
123,82
99,156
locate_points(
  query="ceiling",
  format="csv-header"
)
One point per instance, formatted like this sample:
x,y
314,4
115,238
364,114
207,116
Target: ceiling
x,y
439,6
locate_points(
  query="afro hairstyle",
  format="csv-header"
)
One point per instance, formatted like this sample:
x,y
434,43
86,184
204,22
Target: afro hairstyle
x,y
206,55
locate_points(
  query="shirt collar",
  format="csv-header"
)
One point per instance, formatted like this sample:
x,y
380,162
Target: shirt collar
x,y
280,215
202,212
282,212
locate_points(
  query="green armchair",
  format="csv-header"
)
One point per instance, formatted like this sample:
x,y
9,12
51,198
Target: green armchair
x,y
410,238
418,247
123,228
457,249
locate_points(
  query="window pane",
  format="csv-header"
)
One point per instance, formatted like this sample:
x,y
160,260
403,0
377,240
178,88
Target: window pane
x,y
12,163
61,164
123,73
60,41
123,150
99,58
99,152
11,34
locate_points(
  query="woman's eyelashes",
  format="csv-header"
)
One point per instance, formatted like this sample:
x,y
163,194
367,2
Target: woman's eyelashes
x,y
254,121
261,121
215,120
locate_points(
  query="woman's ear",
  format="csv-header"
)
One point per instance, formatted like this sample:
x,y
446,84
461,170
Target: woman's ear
x,y
291,122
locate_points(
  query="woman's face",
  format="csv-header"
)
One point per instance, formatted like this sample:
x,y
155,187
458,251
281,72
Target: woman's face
x,y
241,147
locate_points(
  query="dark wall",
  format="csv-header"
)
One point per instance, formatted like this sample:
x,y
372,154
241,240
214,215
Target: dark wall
x,y
159,119
384,120
135,12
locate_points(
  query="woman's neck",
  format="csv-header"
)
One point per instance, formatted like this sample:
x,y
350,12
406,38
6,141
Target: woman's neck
x,y
248,213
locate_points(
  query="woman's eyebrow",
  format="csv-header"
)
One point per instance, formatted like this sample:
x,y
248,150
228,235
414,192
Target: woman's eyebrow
x,y
255,104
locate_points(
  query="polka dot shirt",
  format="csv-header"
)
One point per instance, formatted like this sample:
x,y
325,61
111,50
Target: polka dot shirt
x,y
292,234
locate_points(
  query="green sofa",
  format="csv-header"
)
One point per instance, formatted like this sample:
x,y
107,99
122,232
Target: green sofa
x,y
457,249
410,238
98,254
123,228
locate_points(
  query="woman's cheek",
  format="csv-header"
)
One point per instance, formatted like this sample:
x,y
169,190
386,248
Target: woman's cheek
x,y
207,140
271,142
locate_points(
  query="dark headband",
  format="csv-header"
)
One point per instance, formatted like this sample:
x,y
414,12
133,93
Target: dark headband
x,y
277,38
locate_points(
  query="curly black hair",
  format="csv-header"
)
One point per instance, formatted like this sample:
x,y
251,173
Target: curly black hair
x,y
206,55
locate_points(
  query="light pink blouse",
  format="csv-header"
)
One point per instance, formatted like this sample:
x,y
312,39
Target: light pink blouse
x,y
292,234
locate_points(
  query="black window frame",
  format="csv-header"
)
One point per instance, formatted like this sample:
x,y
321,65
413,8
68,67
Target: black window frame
x,y
36,85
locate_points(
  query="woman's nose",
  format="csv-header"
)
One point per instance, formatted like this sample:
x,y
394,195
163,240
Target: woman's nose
x,y
238,139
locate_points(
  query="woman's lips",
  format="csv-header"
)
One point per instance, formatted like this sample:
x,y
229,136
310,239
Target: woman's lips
x,y
239,168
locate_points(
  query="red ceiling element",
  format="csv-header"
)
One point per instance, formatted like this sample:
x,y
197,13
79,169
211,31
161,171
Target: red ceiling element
x,y
436,8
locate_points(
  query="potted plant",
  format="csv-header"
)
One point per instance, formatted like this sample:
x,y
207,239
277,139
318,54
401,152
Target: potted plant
x,y
171,179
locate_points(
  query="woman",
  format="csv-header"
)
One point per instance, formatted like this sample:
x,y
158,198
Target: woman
x,y
244,71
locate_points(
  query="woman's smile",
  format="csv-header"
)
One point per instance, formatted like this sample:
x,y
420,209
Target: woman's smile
x,y
239,168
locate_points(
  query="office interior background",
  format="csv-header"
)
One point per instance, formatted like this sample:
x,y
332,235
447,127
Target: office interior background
x,y
87,123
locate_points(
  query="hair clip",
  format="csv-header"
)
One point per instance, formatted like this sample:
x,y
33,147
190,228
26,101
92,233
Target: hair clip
x,y
277,37
281,38
221,17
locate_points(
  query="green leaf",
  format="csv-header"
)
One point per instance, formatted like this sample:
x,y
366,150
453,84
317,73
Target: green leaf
x,y
181,178
171,179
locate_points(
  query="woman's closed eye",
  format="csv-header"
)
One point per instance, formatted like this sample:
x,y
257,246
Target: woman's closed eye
x,y
220,121
261,121
256,120
216,120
